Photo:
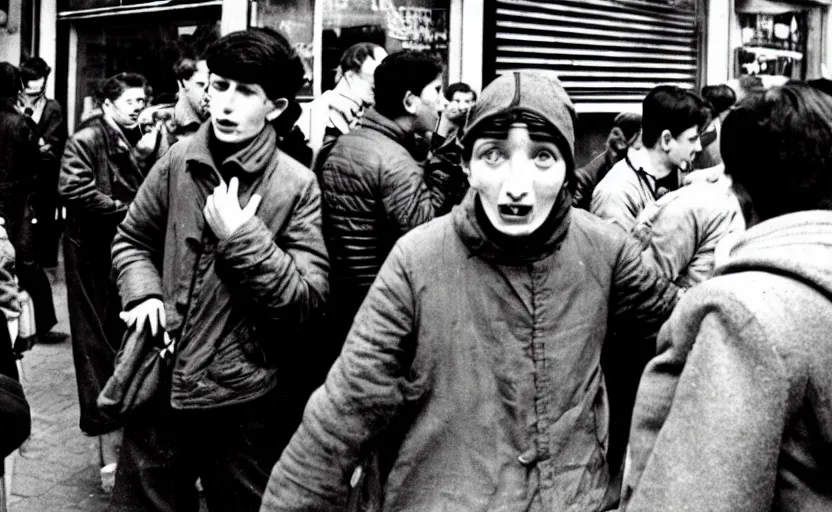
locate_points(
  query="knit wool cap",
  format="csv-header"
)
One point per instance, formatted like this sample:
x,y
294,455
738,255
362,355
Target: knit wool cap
x,y
527,91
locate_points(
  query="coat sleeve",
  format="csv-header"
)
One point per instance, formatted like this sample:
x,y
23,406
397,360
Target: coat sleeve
x,y
412,196
138,246
672,240
76,182
709,417
641,297
284,276
366,388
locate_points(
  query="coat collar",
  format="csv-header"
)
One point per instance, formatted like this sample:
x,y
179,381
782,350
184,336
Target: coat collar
x,y
184,114
252,159
375,121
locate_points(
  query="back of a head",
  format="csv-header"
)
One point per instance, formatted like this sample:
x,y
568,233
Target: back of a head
x,y
399,73
9,81
777,146
668,107
722,97
34,68
114,86
354,56
459,87
260,56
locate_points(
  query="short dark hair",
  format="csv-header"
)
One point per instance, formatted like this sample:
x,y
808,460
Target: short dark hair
x,y
720,96
260,56
185,68
34,68
668,107
399,73
458,87
354,56
777,146
115,86
9,80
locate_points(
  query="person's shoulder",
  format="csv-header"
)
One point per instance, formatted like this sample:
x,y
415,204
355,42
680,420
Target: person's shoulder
x,y
288,166
429,238
596,229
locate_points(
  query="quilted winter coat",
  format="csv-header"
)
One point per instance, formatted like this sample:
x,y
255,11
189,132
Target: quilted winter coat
x,y
488,361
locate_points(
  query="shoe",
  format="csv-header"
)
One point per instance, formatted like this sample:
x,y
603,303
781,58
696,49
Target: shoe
x,y
53,338
108,477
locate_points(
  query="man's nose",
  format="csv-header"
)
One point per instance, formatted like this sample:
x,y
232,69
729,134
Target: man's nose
x,y
516,196
698,146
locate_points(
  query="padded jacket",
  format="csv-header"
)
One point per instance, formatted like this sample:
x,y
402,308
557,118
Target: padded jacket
x,y
488,363
233,305
374,190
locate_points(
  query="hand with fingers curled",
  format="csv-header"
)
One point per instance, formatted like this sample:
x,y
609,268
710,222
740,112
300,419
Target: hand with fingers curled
x,y
223,212
151,311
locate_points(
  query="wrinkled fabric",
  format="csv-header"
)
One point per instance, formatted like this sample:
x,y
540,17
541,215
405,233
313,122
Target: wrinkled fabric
x,y
99,177
734,413
623,193
681,231
234,306
484,368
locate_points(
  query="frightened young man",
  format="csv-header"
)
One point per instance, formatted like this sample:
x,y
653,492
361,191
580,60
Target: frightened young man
x,y
476,354
223,249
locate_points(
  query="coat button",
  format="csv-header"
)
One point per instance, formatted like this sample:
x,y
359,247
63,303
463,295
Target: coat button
x,y
528,457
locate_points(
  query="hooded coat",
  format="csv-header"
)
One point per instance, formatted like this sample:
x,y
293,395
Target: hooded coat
x,y
490,358
735,412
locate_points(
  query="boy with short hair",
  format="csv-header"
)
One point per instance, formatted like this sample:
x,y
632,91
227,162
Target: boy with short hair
x,y
223,248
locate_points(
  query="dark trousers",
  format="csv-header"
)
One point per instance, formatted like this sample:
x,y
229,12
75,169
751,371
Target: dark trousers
x,y
231,449
30,274
93,304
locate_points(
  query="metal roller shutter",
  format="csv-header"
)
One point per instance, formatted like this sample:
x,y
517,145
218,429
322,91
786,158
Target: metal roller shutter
x,y
607,53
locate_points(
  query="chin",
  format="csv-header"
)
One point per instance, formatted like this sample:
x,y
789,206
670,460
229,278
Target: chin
x,y
227,137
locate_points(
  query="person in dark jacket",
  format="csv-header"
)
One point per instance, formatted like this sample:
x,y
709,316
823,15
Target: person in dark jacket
x,y
223,249
374,185
100,175
625,134
48,117
19,160
734,413
477,350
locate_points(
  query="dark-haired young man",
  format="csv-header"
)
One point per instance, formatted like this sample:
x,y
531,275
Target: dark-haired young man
x,y
374,187
223,249
460,98
191,108
672,119
50,130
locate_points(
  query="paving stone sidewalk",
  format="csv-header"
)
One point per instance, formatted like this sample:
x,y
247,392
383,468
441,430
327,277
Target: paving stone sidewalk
x,y
56,470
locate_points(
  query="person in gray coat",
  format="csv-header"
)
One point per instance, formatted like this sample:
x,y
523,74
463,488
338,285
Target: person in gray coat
x,y
735,413
474,364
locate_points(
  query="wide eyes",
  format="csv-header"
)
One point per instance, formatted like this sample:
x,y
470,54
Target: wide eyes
x,y
543,158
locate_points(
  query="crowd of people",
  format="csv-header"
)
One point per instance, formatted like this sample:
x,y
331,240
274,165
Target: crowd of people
x,y
405,296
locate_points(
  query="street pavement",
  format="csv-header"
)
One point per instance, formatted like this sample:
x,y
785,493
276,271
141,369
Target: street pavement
x,y
56,469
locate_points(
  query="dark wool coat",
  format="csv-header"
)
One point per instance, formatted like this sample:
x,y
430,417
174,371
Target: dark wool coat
x,y
235,305
735,413
488,361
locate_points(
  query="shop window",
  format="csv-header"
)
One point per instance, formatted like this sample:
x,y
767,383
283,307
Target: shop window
x,y
394,24
772,44
149,44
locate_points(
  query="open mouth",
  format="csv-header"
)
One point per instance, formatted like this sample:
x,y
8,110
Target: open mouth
x,y
225,125
515,211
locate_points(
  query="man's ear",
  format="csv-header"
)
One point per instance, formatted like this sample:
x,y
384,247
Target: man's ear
x,y
279,105
409,102
665,140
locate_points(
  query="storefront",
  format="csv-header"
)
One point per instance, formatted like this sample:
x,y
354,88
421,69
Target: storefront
x,y
104,37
